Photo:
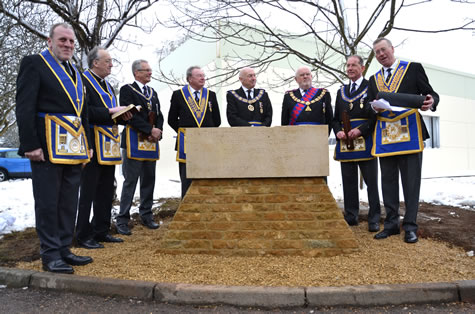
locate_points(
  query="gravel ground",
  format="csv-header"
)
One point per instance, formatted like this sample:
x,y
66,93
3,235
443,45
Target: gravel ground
x,y
388,261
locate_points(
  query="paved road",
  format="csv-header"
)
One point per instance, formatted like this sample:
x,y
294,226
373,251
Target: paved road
x,y
46,301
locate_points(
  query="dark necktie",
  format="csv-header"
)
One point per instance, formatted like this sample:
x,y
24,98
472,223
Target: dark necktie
x,y
249,94
145,91
353,88
197,97
388,76
67,68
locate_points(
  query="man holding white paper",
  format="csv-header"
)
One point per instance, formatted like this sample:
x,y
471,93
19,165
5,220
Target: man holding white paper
x,y
399,137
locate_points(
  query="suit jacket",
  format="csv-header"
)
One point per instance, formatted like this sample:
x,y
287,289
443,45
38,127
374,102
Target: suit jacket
x,y
140,120
316,115
180,115
356,112
38,90
239,114
98,113
414,82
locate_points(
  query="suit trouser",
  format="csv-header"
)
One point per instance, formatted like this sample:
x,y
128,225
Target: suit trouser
x,y
55,189
409,166
185,182
133,169
349,174
97,189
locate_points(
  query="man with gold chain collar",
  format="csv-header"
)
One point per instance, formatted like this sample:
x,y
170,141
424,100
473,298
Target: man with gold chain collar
x,y
97,180
140,147
399,137
306,104
52,122
248,106
352,99
192,106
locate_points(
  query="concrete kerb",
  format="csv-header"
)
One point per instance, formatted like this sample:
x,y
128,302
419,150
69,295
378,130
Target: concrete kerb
x,y
268,297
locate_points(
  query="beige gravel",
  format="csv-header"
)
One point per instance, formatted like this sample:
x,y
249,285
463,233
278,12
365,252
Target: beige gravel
x,y
386,261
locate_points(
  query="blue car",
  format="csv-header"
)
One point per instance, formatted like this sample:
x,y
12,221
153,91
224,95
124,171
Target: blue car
x,y
13,165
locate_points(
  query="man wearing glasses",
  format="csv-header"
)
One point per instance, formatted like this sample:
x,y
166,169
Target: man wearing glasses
x,y
140,146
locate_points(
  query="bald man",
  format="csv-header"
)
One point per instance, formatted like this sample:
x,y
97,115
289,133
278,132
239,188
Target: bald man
x,y
306,104
248,106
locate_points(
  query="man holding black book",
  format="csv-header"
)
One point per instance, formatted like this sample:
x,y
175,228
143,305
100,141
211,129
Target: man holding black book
x,y
399,137
140,147
97,178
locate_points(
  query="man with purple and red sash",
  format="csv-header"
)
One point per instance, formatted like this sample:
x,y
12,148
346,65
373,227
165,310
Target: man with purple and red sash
x,y
306,104
192,106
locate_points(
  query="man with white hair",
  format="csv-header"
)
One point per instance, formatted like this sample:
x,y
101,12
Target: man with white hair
x,y
248,106
306,104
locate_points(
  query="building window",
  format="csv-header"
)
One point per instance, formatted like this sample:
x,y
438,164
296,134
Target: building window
x,y
432,124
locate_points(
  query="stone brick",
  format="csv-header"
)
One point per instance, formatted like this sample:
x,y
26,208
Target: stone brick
x,y
256,217
248,198
197,244
278,198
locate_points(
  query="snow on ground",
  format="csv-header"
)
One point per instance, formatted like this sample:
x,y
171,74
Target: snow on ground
x,y
17,203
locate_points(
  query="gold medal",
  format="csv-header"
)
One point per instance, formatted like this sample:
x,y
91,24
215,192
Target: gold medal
x,y
351,105
250,107
261,108
308,108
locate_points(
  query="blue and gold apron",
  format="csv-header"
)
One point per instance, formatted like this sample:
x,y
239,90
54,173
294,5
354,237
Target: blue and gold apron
x,y
106,137
396,133
362,150
198,110
65,135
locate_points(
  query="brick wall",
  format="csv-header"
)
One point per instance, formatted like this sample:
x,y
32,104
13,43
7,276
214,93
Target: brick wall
x,y
252,217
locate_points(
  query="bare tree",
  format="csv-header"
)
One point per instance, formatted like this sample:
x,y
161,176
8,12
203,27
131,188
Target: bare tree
x,y
24,25
95,22
274,31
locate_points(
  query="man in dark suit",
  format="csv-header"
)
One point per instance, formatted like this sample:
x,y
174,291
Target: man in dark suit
x,y
97,180
306,104
399,137
248,106
52,123
352,99
140,144
192,106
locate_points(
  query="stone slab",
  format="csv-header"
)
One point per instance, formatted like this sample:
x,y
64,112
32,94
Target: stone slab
x,y
376,295
15,278
257,152
267,297
96,286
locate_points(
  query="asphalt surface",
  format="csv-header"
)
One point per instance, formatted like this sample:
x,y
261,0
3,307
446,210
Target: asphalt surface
x,y
26,300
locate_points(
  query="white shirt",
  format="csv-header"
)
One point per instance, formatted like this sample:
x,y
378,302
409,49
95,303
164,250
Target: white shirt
x,y
358,83
246,89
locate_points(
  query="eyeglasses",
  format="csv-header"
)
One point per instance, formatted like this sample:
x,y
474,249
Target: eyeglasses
x,y
145,70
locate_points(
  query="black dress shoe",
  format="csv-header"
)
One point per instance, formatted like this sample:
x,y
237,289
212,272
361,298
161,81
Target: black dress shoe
x,y
108,238
58,266
77,260
386,233
123,229
410,237
90,244
351,222
373,227
149,223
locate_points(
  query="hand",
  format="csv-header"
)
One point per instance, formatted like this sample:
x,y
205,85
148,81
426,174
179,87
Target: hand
x,y
428,102
377,110
354,133
35,155
341,135
126,116
90,153
156,135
